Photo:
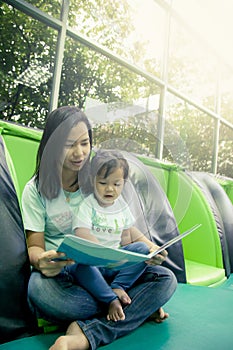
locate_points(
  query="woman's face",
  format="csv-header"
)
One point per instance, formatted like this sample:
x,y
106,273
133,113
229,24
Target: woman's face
x,y
77,148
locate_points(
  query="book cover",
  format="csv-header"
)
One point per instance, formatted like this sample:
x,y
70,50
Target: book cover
x,y
90,253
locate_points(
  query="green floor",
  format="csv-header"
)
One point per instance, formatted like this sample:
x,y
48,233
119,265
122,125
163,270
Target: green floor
x,y
201,318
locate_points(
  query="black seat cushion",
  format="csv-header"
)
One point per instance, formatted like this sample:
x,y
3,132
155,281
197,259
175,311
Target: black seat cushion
x,y
15,318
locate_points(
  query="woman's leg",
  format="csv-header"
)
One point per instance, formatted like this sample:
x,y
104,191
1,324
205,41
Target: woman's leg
x,y
58,299
61,300
157,285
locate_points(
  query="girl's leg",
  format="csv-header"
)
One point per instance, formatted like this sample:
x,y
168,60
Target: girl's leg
x,y
90,278
126,277
93,281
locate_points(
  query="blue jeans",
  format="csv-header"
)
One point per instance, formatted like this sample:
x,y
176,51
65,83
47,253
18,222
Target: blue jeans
x,y
58,299
93,281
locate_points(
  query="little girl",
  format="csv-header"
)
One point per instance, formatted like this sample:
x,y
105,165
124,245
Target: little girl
x,y
104,217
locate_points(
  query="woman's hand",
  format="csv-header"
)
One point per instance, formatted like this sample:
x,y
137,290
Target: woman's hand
x,y
158,259
50,263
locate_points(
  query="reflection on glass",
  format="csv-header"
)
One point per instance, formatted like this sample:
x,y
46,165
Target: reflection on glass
x,y
225,154
227,95
192,68
132,29
188,136
87,73
130,127
135,133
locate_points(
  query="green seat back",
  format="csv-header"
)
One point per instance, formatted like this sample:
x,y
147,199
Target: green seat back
x,y
202,249
22,145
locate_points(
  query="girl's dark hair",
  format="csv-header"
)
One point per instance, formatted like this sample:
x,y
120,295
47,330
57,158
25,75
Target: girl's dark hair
x,y
106,161
48,164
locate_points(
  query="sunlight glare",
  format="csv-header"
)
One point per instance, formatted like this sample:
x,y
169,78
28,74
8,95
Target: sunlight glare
x,y
211,19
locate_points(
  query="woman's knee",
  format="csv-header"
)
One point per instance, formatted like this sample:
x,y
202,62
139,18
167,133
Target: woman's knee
x,y
58,298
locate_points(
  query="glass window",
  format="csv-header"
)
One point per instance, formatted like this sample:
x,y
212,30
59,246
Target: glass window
x,y
27,56
122,106
225,154
192,67
132,29
87,73
188,135
226,88
52,8
128,127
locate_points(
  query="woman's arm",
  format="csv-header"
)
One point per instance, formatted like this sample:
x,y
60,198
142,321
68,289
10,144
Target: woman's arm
x,y
44,260
36,246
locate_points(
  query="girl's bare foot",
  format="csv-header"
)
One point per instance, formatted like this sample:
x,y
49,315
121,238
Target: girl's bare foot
x,y
74,339
115,311
122,295
159,316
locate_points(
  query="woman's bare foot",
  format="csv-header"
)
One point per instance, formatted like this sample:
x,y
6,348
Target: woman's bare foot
x,y
74,339
159,316
115,311
122,295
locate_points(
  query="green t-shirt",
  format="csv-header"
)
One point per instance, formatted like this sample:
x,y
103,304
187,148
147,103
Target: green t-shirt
x,y
53,217
105,223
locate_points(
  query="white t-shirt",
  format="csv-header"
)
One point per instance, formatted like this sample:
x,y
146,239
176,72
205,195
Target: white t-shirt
x,y
106,223
53,217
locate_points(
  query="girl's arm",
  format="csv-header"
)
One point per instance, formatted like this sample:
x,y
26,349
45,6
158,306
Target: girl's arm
x,y
85,233
132,234
138,236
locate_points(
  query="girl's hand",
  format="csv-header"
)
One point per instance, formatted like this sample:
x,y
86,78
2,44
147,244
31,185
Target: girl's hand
x,y
50,263
158,259
153,247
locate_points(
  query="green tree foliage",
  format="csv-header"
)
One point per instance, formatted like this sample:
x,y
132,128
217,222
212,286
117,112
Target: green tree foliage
x,y
189,137
135,134
28,52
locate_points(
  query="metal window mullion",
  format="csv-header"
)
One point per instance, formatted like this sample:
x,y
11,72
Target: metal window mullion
x,y
163,94
35,13
59,56
58,25
72,33
214,163
198,106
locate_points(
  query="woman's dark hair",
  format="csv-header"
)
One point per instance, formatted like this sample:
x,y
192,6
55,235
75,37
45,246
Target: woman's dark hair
x,y
106,161
48,164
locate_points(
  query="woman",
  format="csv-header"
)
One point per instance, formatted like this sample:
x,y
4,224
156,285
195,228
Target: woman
x,y
48,202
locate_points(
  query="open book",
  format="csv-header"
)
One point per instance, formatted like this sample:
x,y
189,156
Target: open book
x,y
90,253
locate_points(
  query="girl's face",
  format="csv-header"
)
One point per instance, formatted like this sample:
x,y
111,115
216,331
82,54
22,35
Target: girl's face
x,y
77,148
108,189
